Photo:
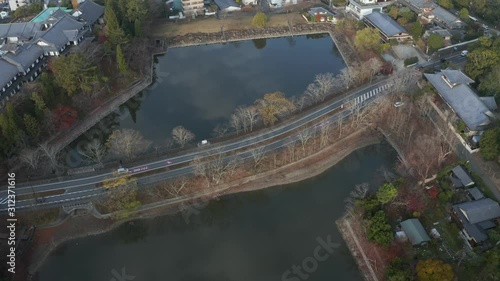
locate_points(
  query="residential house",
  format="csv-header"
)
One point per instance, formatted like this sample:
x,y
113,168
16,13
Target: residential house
x,y
196,7
460,178
475,193
323,14
415,232
430,11
387,27
281,3
14,4
91,12
476,217
446,19
452,86
362,8
442,32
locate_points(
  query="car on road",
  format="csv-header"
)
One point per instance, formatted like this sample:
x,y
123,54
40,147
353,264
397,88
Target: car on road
x,y
122,170
485,27
464,53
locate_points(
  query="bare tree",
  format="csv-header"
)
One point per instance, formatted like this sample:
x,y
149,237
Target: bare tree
x,y
304,137
31,157
404,80
345,78
249,115
214,169
324,134
360,191
291,150
301,102
177,186
94,151
127,142
50,152
373,65
340,123
325,82
235,122
258,156
182,136
220,130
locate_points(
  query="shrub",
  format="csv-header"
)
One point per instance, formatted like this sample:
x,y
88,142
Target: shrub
x,y
410,61
260,20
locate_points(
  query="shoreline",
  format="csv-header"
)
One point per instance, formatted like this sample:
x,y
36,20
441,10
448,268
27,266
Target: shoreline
x,y
303,170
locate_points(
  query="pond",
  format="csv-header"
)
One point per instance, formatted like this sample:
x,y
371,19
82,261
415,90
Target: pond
x,y
260,235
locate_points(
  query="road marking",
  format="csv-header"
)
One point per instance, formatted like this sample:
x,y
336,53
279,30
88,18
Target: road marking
x,y
4,200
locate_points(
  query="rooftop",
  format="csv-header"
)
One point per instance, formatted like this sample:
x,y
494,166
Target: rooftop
x,y
462,175
469,107
7,72
448,18
224,4
415,231
480,210
385,24
62,32
45,14
24,30
90,11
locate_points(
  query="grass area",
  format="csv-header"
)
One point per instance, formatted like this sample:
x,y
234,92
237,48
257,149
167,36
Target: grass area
x,y
166,28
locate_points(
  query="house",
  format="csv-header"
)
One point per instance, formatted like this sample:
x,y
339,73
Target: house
x,y
362,8
442,32
460,178
281,3
430,11
64,32
452,86
14,4
194,7
475,193
227,5
446,19
387,27
415,232
323,14
91,12
475,217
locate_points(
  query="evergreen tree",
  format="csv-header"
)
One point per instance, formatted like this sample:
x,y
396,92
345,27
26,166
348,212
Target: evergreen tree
x,y
138,28
120,59
113,31
32,126
40,105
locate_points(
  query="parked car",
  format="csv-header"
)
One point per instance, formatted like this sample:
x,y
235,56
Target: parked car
x,y
398,104
464,53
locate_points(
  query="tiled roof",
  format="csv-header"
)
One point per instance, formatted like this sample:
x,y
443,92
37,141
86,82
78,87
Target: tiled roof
x,y
385,24
415,231
480,210
7,72
24,30
90,11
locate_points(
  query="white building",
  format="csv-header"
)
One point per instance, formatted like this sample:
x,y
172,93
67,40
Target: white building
x,y
362,8
14,4
281,3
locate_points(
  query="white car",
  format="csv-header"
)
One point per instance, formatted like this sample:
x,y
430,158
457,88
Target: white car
x,y
398,104
464,53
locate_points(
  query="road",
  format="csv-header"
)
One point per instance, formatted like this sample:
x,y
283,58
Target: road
x,y
84,189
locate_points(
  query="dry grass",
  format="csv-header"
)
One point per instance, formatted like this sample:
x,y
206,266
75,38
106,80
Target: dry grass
x,y
165,28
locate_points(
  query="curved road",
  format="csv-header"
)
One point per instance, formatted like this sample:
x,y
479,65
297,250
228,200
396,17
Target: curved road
x,y
84,189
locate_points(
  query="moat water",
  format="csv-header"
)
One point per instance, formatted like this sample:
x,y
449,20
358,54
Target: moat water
x,y
261,235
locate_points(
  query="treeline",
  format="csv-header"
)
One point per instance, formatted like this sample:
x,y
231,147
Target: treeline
x,y
486,9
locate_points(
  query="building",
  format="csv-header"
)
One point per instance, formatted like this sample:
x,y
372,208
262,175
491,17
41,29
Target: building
x,y
362,8
475,193
460,178
387,27
281,3
430,11
442,32
323,14
415,232
24,46
475,217
194,7
14,4
452,86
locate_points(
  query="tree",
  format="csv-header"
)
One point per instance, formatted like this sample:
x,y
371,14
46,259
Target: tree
x,y
435,42
40,106
94,151
386,193
480,61
273,106
258,155
434,270
122,195
136,10
214,169
373,65
114,33
368,39
182,135
379,230
138,28
416,30
490,83
490,144
32,126
127,143
398,271
321,87
31,157
120,59
407,14
50,152
260,20
462,3
75,72
448,4
393,12
463,14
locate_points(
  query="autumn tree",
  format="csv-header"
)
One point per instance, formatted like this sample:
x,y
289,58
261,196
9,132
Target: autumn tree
x,y
386,193
74,72
122,194
120,59
260,20
127,143
182,136
273,106
369,39
434,270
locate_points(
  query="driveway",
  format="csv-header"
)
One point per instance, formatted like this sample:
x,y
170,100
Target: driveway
x,y
406,51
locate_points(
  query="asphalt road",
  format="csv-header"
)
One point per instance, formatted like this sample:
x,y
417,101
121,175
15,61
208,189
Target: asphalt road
x,y
84,189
